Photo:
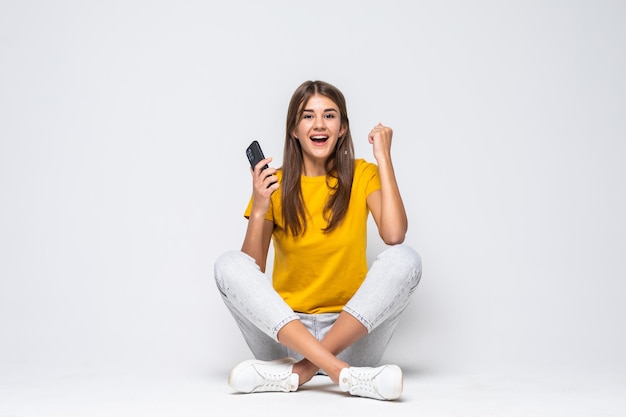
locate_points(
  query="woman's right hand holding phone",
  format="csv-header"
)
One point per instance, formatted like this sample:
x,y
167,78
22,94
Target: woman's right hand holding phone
x,y
264,183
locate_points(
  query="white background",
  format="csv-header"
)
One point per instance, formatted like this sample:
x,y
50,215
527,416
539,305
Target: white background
x,y
123,176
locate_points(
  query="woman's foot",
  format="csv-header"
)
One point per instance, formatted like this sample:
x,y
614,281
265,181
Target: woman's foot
x,y
381,383
264,376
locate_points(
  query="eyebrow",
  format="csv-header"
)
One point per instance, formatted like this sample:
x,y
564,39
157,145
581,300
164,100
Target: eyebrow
x,y
325,110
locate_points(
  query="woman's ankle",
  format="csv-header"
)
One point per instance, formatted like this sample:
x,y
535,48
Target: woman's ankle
x,y
305,369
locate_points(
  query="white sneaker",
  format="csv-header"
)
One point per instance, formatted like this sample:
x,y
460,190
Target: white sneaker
x,y
382,383
263,376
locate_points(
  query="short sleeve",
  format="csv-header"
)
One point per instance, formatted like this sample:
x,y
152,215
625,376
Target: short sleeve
x,y
367,175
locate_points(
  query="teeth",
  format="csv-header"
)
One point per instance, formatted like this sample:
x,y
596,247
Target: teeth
x,y
318,137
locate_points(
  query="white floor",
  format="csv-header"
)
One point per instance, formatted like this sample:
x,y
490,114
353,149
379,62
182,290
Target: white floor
x,y
209,395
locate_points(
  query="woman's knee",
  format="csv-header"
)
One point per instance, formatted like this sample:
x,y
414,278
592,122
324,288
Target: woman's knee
x,y
226,267
228,260
405,256
407,260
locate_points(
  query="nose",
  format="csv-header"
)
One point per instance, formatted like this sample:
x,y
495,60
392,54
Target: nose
x,y
319,123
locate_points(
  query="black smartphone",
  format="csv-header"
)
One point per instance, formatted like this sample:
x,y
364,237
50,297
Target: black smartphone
x,y
255,154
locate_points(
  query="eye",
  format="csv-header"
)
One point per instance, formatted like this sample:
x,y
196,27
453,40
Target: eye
x,y
329,115
307,116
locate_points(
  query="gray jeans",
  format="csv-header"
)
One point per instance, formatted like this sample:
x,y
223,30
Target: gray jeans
x,y
260,312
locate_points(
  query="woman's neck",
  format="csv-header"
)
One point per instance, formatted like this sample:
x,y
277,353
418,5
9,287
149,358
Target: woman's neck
x,y
313,169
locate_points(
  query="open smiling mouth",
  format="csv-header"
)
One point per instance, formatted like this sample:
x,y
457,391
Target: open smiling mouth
x,y
319,139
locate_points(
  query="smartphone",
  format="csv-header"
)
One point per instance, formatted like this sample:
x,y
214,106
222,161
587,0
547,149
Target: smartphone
x,y
255,154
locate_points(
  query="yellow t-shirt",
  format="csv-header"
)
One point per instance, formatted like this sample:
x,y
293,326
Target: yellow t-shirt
x,y
319,272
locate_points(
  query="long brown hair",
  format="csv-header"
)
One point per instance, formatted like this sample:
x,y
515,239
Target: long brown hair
x,y
339,165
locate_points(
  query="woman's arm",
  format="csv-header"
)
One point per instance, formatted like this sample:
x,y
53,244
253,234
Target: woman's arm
x,y
386,205
256,242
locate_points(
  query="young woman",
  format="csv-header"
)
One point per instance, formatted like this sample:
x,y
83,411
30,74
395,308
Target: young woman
x,y
323,312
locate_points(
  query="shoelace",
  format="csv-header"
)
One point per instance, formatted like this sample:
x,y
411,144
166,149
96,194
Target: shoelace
x,y
362,381
271,380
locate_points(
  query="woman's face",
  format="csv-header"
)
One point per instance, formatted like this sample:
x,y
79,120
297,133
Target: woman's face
x,y
318,131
